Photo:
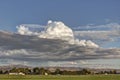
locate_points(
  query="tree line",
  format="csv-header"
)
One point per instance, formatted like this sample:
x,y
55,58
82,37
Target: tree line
x,y
43,71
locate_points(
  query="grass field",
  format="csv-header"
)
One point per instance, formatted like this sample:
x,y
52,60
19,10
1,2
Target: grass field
x,y
60,77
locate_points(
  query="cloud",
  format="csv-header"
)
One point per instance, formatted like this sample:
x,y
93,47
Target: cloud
x,y
31,49
13,52
92,27
100,34
30,29
55,30
87,43
84,62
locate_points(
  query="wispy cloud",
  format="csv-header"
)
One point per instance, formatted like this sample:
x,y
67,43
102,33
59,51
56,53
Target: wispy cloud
x,y
100,34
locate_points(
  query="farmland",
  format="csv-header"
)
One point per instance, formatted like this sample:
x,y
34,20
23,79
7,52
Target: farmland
x,y
60,77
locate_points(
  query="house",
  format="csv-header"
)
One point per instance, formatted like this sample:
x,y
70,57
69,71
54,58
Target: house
x,y
46,73
21,73
15,73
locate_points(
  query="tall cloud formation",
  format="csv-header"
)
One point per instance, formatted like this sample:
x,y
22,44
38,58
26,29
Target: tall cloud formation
x,y
30,47
56,30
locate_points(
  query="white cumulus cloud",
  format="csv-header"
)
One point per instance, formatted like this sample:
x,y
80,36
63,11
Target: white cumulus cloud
x,y
56,30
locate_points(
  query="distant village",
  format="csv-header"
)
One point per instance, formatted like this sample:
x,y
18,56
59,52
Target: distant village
x,y
25,70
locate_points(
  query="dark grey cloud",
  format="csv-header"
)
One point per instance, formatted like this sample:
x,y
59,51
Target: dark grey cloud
x,y
33,49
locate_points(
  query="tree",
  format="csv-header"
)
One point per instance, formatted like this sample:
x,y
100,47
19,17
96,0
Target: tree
x,y
48,71
36,70
85,71
1,72
14,70
27,71
114,72
64,72
57,71
42,71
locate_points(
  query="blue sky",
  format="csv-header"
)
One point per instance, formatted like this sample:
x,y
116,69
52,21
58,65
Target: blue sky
x,y
72,12
78,14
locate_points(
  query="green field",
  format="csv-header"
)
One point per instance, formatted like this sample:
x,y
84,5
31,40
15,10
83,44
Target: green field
x,y
60,77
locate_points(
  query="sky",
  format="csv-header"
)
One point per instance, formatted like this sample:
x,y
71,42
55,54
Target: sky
x,y
73,12
94,20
